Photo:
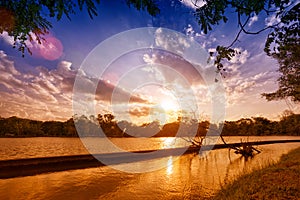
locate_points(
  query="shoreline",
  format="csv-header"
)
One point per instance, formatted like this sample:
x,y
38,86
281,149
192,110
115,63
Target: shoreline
x,y
280,180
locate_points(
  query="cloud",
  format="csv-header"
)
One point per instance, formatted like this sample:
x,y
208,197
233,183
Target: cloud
x,y
172,68
264,76
233,67
245,85
47,94
240,87
271,20
253,20
140,111
189,30
205,40
248,77
149,59
193,3
8,39
106,92
171,41
40,94
241,57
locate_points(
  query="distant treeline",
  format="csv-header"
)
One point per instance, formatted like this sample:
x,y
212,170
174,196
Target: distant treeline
x,y
289,124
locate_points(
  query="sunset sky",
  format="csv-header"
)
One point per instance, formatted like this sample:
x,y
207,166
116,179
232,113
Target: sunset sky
x,y
41,86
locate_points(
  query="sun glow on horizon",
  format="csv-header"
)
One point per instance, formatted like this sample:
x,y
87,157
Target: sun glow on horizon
x,y
169,105
170,109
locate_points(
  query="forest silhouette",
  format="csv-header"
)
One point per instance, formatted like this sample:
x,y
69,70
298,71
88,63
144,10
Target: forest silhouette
x,y
289,124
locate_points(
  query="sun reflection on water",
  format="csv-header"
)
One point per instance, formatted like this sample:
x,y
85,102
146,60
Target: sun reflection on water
x,y
169,169
168,143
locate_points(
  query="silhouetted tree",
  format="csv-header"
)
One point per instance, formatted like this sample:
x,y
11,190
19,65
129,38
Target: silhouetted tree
x,y
261,126
53,128
282,42
109,125
69,128
289,124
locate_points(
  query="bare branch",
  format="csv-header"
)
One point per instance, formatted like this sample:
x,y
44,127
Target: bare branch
x,y
240,31
195,2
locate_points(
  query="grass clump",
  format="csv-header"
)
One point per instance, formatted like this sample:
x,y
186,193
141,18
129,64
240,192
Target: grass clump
x,y
277,181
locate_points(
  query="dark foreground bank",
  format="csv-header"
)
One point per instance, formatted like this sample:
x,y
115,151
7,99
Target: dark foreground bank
x,y
277,181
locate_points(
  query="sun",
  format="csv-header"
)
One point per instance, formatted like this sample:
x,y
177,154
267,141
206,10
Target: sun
x,y
170,110
169,105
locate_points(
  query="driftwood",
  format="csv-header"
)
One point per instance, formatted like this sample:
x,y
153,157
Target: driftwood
x,y
197,141
246,149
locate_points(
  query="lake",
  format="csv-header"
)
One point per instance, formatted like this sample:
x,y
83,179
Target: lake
x,y
185,177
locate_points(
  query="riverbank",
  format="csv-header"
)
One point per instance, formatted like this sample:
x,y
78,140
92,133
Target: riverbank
x,y
277,181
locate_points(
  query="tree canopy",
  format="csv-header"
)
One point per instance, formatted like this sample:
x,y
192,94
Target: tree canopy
x,y
29,20
282,42
289,124
286,50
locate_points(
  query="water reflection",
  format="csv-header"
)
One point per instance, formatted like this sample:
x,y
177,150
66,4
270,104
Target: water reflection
x,y
169,169
171,142
13,148
186,177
